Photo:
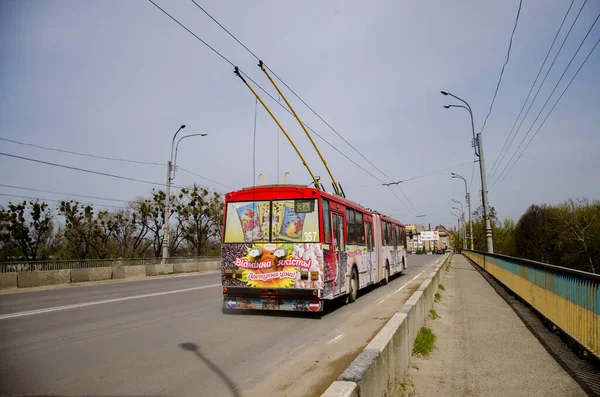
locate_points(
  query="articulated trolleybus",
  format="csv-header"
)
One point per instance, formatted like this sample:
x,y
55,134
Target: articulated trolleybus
x,y
291,247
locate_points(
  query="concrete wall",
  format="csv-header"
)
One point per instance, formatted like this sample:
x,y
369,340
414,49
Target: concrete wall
x,y
380,367
185,267
157,270
209,265
41,278
8,280
52,277
91,274
129,271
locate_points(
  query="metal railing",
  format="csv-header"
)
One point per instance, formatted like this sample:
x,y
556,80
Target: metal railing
x,y
30,266
569,298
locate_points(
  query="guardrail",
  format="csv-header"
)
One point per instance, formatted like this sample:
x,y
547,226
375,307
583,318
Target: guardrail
x,y
569,298
24,266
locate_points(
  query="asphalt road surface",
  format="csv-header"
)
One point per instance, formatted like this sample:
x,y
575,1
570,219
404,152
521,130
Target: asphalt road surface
x,y
168,337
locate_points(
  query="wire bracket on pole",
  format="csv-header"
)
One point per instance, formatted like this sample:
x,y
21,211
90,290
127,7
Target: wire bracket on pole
x,y
238,73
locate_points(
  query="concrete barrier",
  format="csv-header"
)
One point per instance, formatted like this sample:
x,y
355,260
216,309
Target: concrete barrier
x,y
185,267
91,274
157,270
41,278
209,265
129,271
379,369
8,280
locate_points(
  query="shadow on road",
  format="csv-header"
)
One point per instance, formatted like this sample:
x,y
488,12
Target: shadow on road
x,y
192,347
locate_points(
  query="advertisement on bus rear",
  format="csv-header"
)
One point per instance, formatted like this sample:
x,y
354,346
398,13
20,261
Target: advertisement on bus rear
x,y
268,265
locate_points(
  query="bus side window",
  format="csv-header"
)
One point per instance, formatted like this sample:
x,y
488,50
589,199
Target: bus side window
x,y
351,226
394,239
338,233
326,221
360,228
369,237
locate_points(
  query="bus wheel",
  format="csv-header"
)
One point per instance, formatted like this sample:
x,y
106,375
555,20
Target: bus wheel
x,y
353,293
386,272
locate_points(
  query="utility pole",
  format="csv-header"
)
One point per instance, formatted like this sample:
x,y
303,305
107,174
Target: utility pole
x,y
478,146
484,196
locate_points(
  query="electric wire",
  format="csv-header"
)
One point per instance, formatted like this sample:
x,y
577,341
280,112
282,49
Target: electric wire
x,y
548,115
291,90
492,170
550,96
59,201
86,170
79,153
68,194
538,90
503,66
268,94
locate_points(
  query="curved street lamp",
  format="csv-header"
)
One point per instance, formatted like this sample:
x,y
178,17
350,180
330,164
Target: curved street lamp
x,y
468,199
170,176
478,146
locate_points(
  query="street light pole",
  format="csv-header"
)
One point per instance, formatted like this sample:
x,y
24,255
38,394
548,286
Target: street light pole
x,y
463,231
458,221
478,146
468,198
462,211
171,166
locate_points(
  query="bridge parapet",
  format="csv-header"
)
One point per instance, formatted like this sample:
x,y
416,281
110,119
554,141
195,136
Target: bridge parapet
x,y
569,298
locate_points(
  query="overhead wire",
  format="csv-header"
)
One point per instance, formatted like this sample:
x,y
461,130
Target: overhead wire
x,y
272,98
68,194
262,89
205,178
59,201
79,153
503,66
290,89
85,170
314,111
494,171
548,115
549,97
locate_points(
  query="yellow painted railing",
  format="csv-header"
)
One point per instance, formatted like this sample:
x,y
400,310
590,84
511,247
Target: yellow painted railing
x,y
568,298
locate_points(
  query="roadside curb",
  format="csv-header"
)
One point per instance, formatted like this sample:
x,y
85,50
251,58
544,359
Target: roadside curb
x,y
379,368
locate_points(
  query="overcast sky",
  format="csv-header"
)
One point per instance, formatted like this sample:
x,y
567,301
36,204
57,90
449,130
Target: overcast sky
x,y
117,78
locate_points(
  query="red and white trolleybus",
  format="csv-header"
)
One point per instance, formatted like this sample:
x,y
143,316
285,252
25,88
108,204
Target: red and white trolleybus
x,y
292,247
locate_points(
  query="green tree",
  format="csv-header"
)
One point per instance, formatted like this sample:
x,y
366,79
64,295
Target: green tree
x,y
201,215
578,243
26,228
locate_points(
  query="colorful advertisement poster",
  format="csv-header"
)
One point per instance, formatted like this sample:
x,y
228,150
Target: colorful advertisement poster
x,y
271,221
287,265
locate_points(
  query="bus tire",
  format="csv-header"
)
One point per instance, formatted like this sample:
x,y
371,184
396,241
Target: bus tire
x,y
353,293
386,270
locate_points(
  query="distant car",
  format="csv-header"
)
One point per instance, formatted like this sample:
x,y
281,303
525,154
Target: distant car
x,y
448,251
439,252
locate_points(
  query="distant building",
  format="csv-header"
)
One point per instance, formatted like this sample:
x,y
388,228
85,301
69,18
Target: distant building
x,y
416,243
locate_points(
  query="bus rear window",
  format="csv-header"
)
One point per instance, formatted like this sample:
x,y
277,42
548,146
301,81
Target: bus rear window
x,y
269,221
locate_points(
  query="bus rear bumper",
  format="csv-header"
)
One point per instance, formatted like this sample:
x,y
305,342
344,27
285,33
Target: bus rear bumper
x,y
283,304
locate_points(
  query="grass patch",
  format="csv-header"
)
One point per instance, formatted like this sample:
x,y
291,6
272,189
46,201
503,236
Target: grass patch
x,y
433,314
437,297
441,286
424,342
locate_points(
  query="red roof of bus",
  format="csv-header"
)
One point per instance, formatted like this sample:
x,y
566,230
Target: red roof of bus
x,y
274,192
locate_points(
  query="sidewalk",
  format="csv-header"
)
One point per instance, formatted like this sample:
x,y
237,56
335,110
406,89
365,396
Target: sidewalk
x,y
483,348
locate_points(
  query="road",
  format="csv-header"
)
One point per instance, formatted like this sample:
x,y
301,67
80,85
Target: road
x,y
168,337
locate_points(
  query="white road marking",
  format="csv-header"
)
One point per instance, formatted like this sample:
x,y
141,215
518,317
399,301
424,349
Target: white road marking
x,y
400,289
340,336
58,308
